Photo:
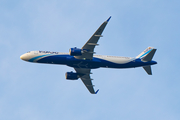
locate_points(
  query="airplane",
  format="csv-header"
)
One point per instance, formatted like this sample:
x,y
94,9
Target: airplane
x,y
84,59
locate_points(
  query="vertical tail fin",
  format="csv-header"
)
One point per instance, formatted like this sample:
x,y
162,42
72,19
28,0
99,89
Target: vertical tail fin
x,y
147,54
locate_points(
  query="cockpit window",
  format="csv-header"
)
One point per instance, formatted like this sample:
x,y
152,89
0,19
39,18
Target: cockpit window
x,y
28,52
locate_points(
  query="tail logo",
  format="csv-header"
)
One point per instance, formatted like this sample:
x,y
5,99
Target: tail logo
x,y
146,52
149,48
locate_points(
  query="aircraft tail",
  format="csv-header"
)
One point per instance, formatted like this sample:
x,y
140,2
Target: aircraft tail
x,y
146,56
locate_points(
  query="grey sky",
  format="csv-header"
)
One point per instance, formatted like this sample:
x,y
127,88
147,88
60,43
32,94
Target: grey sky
x,y
31,91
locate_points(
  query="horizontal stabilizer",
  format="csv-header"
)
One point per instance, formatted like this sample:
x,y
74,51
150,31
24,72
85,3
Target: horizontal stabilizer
x,y
148,69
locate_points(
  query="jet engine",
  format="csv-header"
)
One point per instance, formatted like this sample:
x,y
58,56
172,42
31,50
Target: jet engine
x,y
75,51
71,76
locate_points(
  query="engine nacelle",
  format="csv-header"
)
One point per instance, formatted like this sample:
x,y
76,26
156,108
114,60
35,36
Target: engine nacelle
x,y
75,51
71,76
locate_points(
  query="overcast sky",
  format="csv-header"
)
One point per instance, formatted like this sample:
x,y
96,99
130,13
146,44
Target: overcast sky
x,y
30,91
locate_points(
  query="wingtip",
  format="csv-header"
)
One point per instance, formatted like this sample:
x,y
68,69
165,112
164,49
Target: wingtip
x,y
96,91
108,19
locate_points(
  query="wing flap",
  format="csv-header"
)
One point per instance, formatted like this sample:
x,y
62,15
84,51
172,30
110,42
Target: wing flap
x,y
88,83
86,79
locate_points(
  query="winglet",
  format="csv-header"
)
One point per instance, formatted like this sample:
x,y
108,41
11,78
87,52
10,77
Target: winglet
x,y
108,19
96,91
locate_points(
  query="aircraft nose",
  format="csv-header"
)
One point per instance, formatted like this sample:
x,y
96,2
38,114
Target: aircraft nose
x,y
23,57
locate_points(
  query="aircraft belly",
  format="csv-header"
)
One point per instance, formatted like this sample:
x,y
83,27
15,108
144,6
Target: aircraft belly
x,y
80,63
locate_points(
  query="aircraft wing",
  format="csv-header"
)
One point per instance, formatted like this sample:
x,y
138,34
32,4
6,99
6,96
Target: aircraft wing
x,y
88,48
86,79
